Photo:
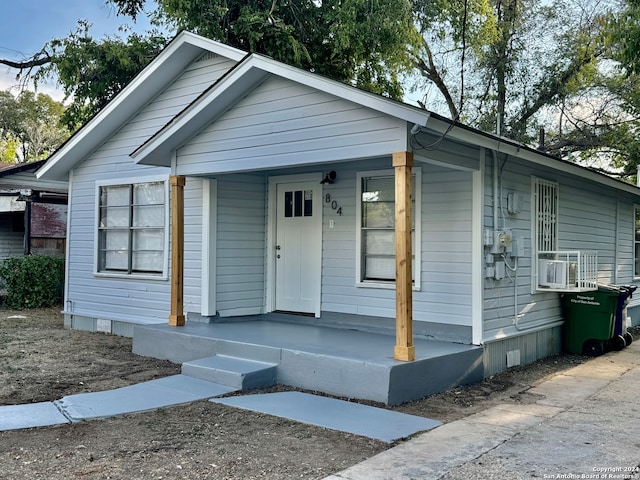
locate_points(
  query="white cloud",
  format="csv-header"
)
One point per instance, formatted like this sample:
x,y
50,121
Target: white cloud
x,y
8,82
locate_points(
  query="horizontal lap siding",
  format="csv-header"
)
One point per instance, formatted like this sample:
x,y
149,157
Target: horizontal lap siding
x,y
280,123
339,293
586,221
241,234
192,244
131,298
499,295
625,228
445,294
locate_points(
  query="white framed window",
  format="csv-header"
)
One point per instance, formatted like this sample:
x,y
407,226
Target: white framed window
x,y
636,241
131,232
375,251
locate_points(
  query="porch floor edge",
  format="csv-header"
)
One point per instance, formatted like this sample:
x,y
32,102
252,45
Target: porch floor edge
x,y
340,362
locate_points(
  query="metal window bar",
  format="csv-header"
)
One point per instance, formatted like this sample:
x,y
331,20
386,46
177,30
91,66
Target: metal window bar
x,y
581,267
547,215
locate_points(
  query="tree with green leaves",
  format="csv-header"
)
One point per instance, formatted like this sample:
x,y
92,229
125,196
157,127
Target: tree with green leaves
x,y
518,66
30,126
92,72
623,33
363,42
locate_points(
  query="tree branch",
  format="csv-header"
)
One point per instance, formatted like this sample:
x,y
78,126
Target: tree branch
x,y
430,72
35,61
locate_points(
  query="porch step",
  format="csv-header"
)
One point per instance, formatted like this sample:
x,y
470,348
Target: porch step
x,y
232,371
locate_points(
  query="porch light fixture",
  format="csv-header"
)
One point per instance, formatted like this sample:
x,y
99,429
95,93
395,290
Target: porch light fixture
x,y
329,177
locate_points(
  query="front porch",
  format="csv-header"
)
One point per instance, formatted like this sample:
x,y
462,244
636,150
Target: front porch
x,y
337,361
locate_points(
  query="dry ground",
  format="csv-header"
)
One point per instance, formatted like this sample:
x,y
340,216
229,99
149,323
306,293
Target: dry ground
x,y
41,361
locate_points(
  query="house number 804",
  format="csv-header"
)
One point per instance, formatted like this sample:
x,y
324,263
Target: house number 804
x,y
333,203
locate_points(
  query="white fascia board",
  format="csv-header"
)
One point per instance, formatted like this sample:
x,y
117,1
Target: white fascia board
x,y
200,113
204,43
206,108
162,70
509,147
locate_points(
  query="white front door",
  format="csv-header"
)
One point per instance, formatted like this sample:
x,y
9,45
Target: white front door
x,y
298,250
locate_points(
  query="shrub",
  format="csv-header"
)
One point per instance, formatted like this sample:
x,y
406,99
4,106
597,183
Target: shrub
x,y
33,281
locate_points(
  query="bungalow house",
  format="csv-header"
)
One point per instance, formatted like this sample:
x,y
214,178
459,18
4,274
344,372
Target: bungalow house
x,y
227,204
33,213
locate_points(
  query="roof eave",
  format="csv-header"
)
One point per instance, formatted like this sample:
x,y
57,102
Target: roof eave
x,y
221,96
201,112
499,144
179,53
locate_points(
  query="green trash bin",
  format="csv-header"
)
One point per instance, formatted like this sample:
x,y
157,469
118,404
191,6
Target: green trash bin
x,y
589,320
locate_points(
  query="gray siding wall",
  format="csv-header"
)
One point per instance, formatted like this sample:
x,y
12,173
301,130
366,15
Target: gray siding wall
x,y
132,299
281,123
192,244
241,239
591,217
445,291
444,296
623,274
11,243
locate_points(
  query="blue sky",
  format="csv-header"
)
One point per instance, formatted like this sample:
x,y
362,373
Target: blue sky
x,y
26,25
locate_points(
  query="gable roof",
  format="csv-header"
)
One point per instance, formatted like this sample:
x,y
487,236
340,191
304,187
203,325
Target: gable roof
x,y
250,71
180,52
21,176
237,83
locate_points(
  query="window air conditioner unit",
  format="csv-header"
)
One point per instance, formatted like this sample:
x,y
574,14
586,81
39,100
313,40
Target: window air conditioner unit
x,y
556,273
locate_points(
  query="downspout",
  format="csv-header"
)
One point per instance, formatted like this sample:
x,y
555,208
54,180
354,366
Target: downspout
x,y
68,302
616,239
495,190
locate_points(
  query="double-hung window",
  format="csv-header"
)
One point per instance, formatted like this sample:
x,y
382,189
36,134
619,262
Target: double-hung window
x,y
132,221
376,248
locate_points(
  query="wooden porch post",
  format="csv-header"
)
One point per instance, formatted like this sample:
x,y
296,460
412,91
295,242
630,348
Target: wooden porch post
x,y
176,317
404,349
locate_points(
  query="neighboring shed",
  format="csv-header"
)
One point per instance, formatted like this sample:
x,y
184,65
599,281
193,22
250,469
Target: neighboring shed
x,y
33,213
235,192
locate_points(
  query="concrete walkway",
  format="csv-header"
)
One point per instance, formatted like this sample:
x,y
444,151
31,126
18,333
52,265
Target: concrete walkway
x,y
380,424
377,423
163,392
586,424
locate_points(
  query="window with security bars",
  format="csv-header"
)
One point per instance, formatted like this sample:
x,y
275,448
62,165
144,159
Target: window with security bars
x,y
545,205
377,259
553,269
131,228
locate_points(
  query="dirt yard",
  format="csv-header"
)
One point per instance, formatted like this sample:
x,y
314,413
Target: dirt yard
x,y
41,361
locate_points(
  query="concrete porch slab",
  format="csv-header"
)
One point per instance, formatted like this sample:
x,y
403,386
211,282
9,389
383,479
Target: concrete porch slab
x,y
372,422
30,415
339,362
163,392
